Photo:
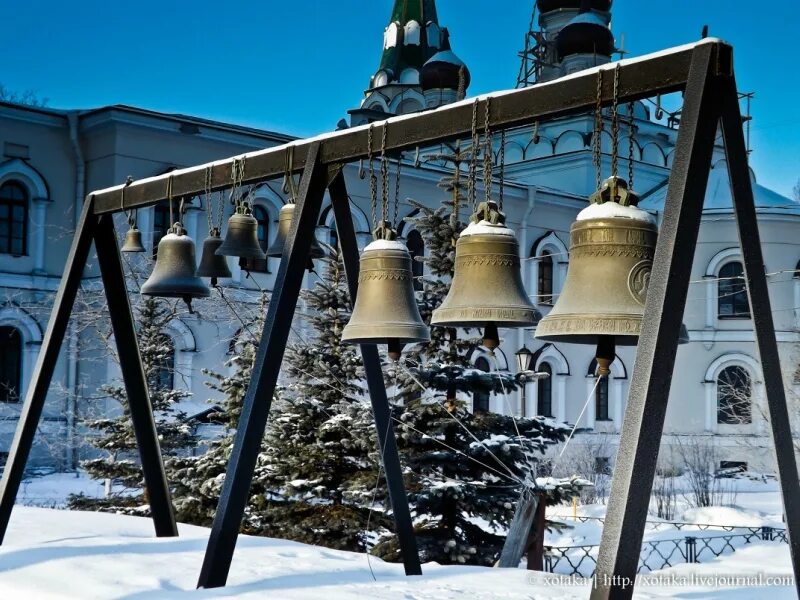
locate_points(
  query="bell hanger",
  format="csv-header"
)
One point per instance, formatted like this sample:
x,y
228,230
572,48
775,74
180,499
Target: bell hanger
x,y
133,237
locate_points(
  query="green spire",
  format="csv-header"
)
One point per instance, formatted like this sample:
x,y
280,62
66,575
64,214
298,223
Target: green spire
x,y
410,47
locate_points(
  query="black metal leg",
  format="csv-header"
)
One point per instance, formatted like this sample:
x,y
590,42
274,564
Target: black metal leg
x,y
130,363
257,402
377,387
655,358
762,318
43,373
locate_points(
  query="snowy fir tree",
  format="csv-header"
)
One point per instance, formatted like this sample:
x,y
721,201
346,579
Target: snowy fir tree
x,y
114,438
322,460
465,469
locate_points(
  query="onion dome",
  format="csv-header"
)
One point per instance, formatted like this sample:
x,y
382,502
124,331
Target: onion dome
x,y
550,5
443,71
587,33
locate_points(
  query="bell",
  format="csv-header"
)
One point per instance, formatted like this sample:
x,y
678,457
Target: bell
x,y
612,244
487,287
284,225
133,240
242,237
174,273
212,264
386,310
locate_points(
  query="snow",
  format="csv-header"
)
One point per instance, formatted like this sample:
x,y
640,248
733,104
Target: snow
x,y
485,227
117,556
614,210
386,245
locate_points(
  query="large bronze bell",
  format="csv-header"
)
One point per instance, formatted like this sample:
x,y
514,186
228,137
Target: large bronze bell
x,y
284,226
213,265
133,240
242,237
386,310
174,273
487,289
612,245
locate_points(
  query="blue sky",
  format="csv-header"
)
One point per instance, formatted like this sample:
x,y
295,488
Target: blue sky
x,y
297,66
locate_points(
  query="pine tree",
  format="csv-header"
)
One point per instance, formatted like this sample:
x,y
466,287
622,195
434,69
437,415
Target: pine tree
x,y
321,460
465,470
114,435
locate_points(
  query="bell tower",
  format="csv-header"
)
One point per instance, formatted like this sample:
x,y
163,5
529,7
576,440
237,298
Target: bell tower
x,y
417,69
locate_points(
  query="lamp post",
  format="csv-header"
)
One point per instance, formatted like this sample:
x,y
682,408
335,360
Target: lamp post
x,y
524,360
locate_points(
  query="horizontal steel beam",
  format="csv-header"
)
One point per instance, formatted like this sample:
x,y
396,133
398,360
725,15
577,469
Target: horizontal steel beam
x,y
641,77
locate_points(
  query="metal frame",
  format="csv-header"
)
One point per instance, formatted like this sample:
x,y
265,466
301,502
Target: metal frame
x,y
703,71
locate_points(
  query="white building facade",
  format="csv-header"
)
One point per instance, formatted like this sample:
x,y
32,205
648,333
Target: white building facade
x,y
51,159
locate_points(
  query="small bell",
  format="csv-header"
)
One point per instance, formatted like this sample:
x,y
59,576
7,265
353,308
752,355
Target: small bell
x,y
133,240
213,265
174,273
487,287
284,226
386,310
612,244
242,237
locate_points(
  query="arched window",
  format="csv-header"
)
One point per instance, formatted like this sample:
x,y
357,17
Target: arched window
x,y
161,224
732,292
13,219
480,399
333,237
734,392
164,374
600,394
416,247
545,284
545,391
10,364
253,264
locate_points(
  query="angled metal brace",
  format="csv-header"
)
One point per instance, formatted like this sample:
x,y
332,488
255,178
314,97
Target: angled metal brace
x,y
267,366
141,413
377,387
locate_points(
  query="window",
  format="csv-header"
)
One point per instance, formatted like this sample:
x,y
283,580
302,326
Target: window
x,y
253,264
480,399
333,238
734,390
161,224
545,285
163,377
602,465
732,292
13,219
601,400
10,364
545,391
416,247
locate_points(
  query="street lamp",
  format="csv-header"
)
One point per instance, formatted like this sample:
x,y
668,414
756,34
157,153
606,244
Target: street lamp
x,y
524,364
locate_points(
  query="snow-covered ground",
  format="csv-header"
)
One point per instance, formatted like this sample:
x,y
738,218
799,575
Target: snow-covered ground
x,y
60,554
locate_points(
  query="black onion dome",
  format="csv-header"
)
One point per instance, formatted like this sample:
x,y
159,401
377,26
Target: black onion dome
x,y
585,34
443,71
550,5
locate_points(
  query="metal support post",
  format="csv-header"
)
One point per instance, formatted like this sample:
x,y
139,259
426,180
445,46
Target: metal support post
x,y
621,543
51,347
130,362
257,401
377,387
761,309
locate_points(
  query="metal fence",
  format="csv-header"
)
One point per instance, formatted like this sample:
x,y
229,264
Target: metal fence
x,y
660,554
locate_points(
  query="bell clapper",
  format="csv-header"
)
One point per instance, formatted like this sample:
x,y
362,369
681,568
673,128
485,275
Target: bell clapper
x,y
491,338
605,354
395,349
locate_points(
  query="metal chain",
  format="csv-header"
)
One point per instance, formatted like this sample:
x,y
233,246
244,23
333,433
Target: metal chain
x,y
373,181
502,167
220,210
615,127
456,184
488,156
473,159
631,133
384,177
598,129
169,199
242,164
397,190
209,200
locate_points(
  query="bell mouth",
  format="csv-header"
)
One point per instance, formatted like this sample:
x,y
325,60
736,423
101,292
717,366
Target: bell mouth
x,y
393,334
